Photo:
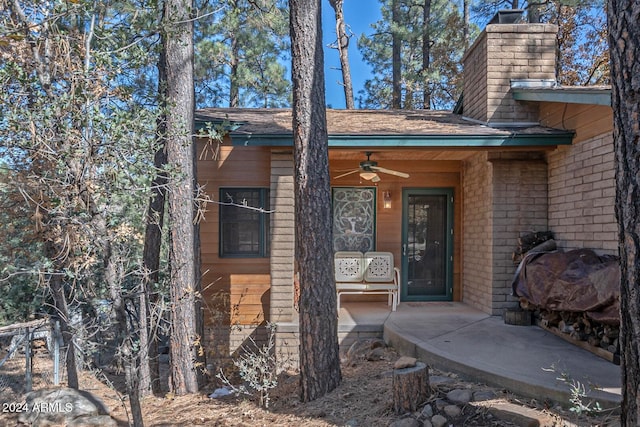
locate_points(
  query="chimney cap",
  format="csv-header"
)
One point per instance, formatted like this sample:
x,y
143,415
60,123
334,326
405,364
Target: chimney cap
x,y
507,16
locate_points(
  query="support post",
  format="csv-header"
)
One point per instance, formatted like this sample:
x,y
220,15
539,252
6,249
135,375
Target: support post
x,y
28,379
57,336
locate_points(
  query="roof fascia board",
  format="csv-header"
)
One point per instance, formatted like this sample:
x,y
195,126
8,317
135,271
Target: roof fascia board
x,y
417,141
569,97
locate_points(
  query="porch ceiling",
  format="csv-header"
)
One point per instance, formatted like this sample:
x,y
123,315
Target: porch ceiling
x,y
408,154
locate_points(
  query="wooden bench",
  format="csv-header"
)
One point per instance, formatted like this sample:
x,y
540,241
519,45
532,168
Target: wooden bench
x,y
368,273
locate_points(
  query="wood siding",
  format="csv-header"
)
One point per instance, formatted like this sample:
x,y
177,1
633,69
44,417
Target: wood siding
x,y
588,121
235,290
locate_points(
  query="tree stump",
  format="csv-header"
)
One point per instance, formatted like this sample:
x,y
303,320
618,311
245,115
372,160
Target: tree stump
x,y
410,388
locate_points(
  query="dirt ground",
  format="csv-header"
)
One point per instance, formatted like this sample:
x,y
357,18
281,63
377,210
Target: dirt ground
x,y
364,398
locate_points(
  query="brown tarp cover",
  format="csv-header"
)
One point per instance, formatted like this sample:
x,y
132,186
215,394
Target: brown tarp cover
x,y
575,281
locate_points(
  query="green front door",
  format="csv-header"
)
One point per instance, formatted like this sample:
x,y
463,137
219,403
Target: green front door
x,y
427,244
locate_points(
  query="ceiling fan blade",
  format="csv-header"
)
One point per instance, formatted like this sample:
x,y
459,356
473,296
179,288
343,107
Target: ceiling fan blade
x,y
390,172
348,173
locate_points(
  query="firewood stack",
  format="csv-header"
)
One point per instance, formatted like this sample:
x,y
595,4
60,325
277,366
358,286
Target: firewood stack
x,y
578,328
536,241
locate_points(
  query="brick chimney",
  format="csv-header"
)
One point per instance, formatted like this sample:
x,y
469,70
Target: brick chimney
x,y
503,52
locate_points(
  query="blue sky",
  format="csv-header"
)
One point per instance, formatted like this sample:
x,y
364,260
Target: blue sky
x,y
359,15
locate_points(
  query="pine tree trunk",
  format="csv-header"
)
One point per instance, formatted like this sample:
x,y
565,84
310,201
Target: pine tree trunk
x,y
149,366
624,44
396,59
319,358
234,90
180,195
343,51
465,19
426,53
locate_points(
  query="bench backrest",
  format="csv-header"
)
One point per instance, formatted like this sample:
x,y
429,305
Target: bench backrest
x,y
354,267
378,267
348,267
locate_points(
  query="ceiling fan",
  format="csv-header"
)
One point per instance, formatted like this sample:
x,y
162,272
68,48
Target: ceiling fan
x,y
368,170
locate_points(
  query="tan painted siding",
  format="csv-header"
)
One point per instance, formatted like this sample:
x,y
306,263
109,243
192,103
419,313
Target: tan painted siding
x,y
282,237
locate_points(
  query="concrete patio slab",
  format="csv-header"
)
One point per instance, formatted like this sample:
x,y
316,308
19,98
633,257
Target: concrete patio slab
x,y
524,359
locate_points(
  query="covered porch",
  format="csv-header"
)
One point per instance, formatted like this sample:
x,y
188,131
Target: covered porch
x,y
451,219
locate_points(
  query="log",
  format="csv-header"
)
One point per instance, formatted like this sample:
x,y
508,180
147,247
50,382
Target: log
x,y
598,351
410,388
517,317
529,242
546,246
532,239
17,328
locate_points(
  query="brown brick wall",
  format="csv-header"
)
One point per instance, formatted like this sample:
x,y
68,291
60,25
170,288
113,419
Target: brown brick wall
x,y
582,195
504,195
477,232
519,205
475,79
501,53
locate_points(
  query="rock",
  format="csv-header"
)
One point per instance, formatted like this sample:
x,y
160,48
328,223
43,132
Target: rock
x,y
405,362
405,422
481,395
361,348
427,423
63,405
452,411
460,396
351,423
438,421
437,380
427,411
375,354
519,415
440,404
221,392
377,343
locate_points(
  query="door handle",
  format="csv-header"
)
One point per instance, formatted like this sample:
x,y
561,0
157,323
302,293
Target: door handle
x,y
404,249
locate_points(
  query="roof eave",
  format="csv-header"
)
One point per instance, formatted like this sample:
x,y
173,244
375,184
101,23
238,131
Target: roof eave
x,y
416,141
600,97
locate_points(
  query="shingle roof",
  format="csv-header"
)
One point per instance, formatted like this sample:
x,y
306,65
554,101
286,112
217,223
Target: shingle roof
x,y
253,123
267,121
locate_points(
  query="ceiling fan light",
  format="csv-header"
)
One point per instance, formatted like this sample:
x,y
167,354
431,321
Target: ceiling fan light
x,y
368,175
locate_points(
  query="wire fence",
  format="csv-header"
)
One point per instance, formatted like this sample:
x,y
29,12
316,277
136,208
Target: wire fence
x,y
30,357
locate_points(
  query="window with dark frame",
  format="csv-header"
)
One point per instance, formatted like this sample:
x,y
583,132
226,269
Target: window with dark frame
x,y
244,232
